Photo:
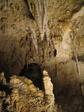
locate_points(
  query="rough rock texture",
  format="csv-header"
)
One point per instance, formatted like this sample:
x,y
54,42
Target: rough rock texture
x,y
25,97
20,35
48,32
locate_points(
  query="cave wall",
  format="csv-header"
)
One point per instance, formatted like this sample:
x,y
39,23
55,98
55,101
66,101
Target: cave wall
x,y
45,32
48,32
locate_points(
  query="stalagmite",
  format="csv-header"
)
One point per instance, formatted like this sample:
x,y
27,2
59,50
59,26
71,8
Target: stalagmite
x,y
48,86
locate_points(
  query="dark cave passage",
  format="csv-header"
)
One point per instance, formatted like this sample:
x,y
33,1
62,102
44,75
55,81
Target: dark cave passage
x,y
33,71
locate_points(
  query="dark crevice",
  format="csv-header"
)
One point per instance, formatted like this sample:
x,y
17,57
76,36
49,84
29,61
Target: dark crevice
x,y
6,88
50,54
80,58
55,52
29,12
5,104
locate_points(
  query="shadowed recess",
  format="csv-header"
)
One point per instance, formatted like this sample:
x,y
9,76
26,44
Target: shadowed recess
x,y
33,71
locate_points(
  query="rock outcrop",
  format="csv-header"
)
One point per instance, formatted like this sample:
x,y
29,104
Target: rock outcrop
x,y
25,97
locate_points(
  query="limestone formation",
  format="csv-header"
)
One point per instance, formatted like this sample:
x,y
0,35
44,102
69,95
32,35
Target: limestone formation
x,y
49,33
25,97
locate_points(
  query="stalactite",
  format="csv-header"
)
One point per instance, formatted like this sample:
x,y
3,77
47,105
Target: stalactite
x,y
38,9
74,48
34,40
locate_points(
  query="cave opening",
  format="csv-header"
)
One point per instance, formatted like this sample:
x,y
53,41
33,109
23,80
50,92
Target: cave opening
x,y
33,71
